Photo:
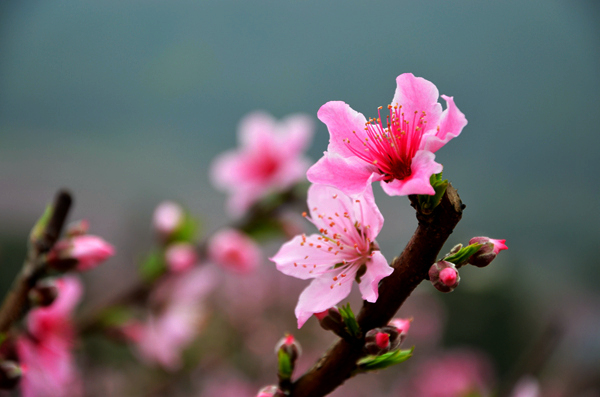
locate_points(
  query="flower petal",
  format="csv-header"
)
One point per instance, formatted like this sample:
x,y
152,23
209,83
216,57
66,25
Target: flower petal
x,y
255,130
415,94
377,268
320,295
367,212
452,122
422,167
295,133
350,175
305,259
341,121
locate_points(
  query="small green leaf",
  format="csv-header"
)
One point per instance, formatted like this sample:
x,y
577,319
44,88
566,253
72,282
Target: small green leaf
x,y
372,362
115,316
350,321
428,203
40,225
284,364
463,254
187,231
153,266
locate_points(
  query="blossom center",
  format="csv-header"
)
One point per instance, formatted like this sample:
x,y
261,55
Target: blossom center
x,y
390,149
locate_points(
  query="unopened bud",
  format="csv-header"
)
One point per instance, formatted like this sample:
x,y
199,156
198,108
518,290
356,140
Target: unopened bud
x,y
180,257
80,252
290,346
43,293
382,340
270,391
444,276
168,217
331,320
78,228
10,374
402,325
487,253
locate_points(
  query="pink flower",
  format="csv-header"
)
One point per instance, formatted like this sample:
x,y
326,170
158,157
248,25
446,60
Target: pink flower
x,y
399,152
401,324
166,334
269,160
167,218
49,367
488,252
344,250
181,257
234,251
87,250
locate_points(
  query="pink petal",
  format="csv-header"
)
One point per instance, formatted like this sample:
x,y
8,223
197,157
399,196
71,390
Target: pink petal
x,y
369,212
305,261
255,130
377,268
499,245
320,295
422,167
451,124
415,94
341,121
295,133
350,175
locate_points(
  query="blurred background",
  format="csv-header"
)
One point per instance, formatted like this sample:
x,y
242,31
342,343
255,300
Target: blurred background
x,y
126,103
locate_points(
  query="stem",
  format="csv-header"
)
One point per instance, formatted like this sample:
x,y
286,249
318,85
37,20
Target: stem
x,y
16,301
410,268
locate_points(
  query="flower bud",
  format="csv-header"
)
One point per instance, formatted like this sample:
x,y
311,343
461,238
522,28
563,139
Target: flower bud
x,y
402,325
487,253
287,350
331,320
234,250
270,391
382,340
10,374
80,252
43,293
78,228
168,217
444,276
290,346
180,257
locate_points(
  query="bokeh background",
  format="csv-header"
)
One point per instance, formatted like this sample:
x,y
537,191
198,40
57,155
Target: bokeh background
x,y
127,102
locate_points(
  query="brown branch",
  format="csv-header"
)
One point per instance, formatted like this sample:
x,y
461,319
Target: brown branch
x,y
411,268
16,302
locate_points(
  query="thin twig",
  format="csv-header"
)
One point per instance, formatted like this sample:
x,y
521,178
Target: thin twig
x,y
410,268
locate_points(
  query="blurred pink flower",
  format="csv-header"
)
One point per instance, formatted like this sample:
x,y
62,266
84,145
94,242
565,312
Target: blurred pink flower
x,y
181,257
166,334
234,250
454,374
344,250
270,159
45,354
168,216
89,251
399,153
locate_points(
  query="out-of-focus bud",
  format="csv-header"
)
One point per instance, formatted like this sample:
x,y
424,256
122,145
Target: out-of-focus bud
x,y
331,320
444,276
43,293
382,340
287,350
78,228
80,252
168,217
270,391
10,374
180,257
234,250
486,254
290,346
402,325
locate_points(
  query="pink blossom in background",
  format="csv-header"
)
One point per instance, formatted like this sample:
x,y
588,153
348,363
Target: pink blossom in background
x,y
398,152
234,250
181,257
456,373
45,354
168,216
346,245
270,159
89,251
182,314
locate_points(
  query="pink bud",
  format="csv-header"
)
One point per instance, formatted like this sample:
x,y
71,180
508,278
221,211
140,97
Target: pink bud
x,y
401,324
181,257
234,250
382,340
84,252
290,345
486,254
168,216
321,315
270,391
448,276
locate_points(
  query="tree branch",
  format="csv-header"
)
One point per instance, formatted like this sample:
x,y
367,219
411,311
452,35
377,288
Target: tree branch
x,y
16,300
410,268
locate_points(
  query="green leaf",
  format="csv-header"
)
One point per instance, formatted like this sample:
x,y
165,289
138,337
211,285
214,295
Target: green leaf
x,y
40,225
372,362
284,364
463,254
187,231
428,203
350,321
153,266
115,316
